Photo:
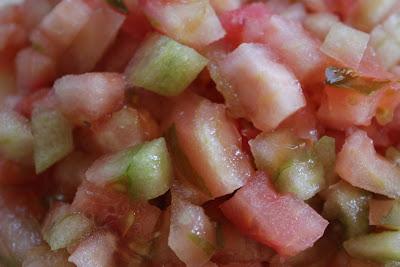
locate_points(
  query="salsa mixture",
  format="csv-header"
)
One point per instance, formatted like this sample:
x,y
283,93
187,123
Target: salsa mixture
x,y
210,133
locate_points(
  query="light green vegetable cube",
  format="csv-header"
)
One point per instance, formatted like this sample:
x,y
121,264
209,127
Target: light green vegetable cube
x,y
164,66
53,138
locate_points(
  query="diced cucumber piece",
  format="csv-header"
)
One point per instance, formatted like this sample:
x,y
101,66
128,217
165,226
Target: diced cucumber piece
x,y
349,205
150,170
272,150
382,247
68,231
325,150
385,213
53,138
164,66
16,140
303,176
393,155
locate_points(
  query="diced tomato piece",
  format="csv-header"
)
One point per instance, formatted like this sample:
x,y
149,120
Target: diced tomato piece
x,y
282,222
297,49
27,103
342,108
97,250
69,173
19,230
212,144
91,43
35,10
192,235
114,209
161,254
59,28
34,70
119,54
303,123
265,93
12,38
90,96
380,135
235,247
104,205
124,128
360,165
371,65
236,21
183,21
44,257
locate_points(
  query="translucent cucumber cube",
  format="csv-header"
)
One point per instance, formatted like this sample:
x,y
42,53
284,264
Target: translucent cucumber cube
x,y
68,231
382,247
16,140
53,138
150,170
349,205
303,176
164,66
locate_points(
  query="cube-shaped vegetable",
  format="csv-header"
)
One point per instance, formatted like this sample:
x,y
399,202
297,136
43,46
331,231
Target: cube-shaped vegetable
x,y
272,150
90,96
16,140
192,235
381,247
150,170
146,166
212,143
359,164
349,205
303,176
59,28
97,250
92,41
265,92
193,23
385,213
282,222
68,231
345,44
122,129
164,66
52,137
